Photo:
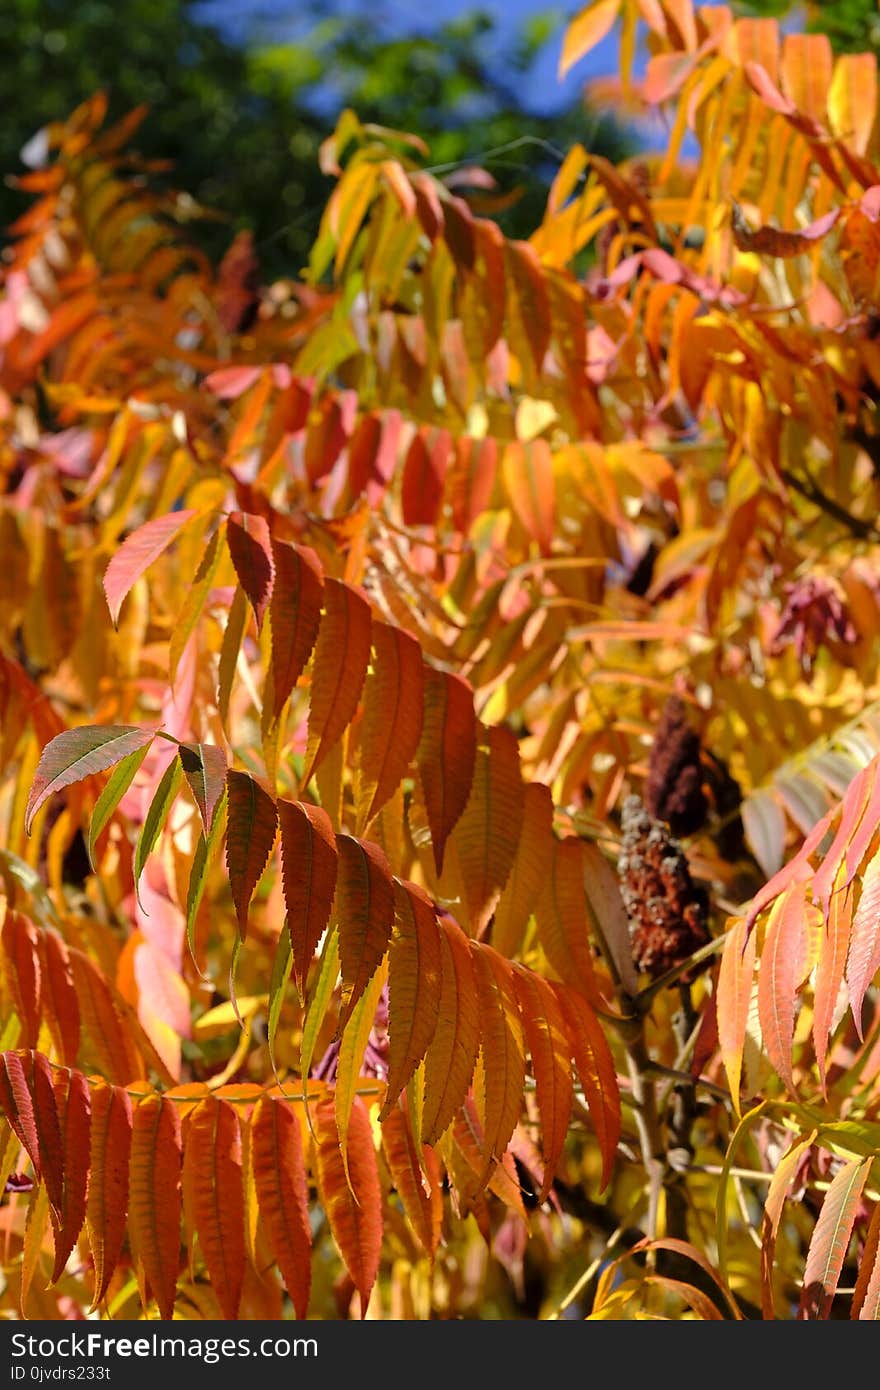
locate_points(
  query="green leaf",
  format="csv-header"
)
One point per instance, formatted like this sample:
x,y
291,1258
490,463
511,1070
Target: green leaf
x,y
156,817
121,779
205,851
281,968
328,974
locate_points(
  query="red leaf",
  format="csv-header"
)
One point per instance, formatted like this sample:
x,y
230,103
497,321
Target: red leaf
x,y
250,546
252,820
282,1195
137,552
372,455
295,615
73,1102
308,867
107,1204
18,1106
446,753
414,983
365,913
352,1201
48,1130
424,474
213,1158
471,480
342,653
452,1054
21,949
595,1067
547,1039
155,1197
204,767
76,754
392,718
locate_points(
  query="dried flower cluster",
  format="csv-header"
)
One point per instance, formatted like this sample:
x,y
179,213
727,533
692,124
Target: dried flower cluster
x,y
666,909
674,788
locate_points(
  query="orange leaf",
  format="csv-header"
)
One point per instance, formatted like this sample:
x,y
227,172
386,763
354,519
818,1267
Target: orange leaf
x,y
392,718
352,1201
488,831
213,1158
107,1204
833,941
108,1038
547,1038
503,1050
21,951
155,1197
528,478
735,979
137,552
308,867
561,917
446,753
595,1067
529,872
857,798
866,1299
250,546
586,30
471,479
294,614
414,985
831,1237
252,821
607,914
421,1201
863,959
73,1102
452,1054
773,1206
779,974
365,913
528,300
339,666
282,1195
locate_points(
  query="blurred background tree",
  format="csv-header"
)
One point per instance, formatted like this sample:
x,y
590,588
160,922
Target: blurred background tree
x,y
853,26
242,120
